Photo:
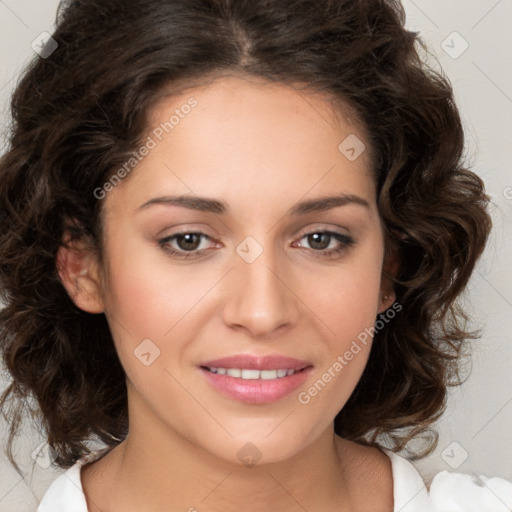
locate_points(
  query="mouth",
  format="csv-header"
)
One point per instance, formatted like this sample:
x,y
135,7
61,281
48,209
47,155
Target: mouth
x,y
251,374
255,380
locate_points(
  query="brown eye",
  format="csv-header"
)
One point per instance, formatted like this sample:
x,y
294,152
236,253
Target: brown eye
x,y
319,241
186,245
327,243
188,241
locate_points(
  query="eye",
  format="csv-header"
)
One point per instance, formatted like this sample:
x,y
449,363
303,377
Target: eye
x,y
327,243
194,244
186,244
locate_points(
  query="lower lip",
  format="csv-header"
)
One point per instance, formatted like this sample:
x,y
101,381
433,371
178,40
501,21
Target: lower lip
x,y
256,391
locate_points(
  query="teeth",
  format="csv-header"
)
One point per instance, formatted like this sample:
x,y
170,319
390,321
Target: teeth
x,y
268,374
247,374
250,374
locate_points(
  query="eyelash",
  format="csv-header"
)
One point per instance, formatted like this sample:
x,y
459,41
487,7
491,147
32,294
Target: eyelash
x,y
345,240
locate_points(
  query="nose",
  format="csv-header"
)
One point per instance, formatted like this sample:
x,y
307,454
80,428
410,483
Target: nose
x,y
259,300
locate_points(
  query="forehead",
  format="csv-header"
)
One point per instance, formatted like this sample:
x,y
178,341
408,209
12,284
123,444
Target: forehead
x,y
252,138
260,98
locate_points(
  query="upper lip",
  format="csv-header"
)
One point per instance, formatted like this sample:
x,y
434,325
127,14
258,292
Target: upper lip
x,y
251,362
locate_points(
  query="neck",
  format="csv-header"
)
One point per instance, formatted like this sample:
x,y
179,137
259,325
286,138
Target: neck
x,y
189,479
152,473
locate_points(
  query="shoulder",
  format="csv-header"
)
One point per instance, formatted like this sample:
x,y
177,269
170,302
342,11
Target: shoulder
x,y
409,490
470,493
448,491
65,494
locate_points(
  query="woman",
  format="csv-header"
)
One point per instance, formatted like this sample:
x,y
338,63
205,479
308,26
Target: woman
x,y
234,236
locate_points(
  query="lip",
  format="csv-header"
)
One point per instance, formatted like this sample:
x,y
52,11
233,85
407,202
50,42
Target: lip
x,y
256,391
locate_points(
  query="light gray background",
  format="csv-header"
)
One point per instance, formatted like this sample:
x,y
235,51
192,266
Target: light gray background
x,y
475,433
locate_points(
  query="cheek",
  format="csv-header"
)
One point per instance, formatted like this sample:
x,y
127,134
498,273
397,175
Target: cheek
x,y
349,310
347,298
147,294
346,306
156,310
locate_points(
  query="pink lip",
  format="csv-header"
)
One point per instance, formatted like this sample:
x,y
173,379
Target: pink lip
x,y
256,391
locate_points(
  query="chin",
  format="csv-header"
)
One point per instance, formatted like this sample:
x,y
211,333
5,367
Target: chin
x,y
251,450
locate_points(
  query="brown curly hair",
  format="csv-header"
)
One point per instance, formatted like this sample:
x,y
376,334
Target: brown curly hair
x,y
79,114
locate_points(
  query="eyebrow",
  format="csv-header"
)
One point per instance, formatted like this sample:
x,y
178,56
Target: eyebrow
x,y
205,204
202,204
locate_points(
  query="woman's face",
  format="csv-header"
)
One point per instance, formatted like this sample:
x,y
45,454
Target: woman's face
x,y
278,275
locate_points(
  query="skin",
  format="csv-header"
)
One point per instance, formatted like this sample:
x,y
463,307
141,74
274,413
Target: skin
x,y
260,148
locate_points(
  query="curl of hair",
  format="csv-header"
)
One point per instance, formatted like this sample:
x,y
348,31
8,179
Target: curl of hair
x,y
79,115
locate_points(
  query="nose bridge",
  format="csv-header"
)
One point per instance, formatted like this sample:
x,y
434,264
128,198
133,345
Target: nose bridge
x,y
258,299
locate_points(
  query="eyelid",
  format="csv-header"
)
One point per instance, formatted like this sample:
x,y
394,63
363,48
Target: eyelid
x,y
184,229
344,239
324,231
321,228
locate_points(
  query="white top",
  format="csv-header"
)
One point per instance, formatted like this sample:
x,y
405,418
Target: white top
x,y
449,492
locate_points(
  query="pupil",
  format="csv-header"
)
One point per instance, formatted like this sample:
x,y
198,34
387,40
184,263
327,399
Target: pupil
x,y
315,240
191,241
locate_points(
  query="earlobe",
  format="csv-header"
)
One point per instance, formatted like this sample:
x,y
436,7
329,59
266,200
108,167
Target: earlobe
x,y
78,271
389,272
386,301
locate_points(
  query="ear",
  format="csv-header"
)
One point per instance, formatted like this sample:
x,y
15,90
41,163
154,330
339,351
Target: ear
x,y
390,269
78,270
